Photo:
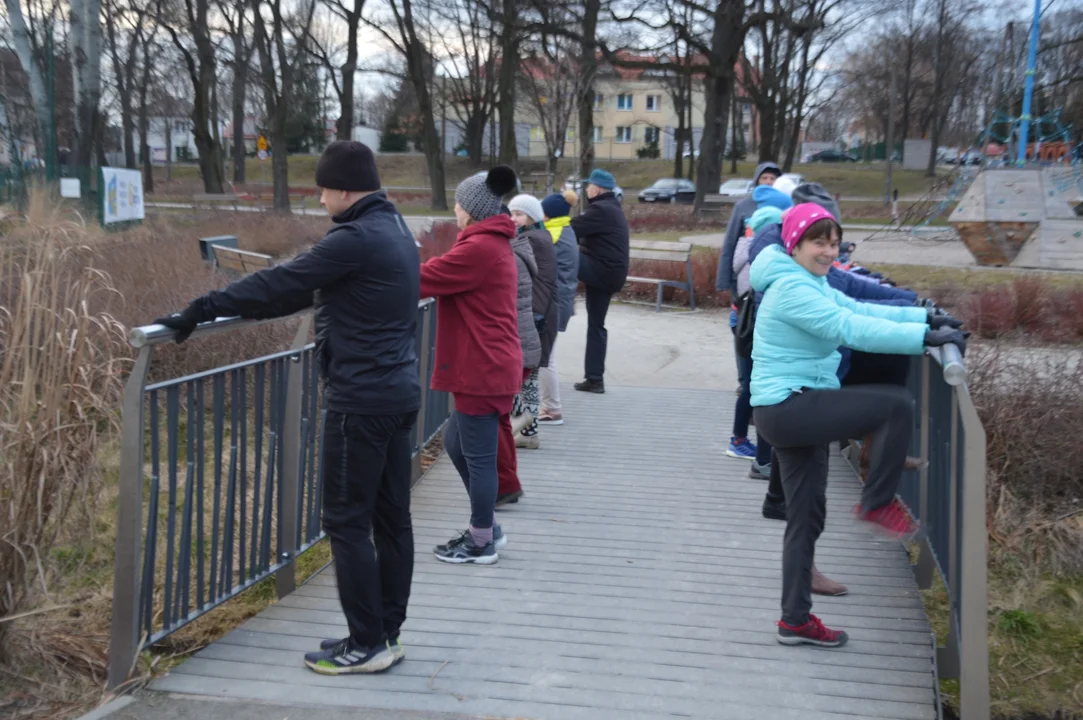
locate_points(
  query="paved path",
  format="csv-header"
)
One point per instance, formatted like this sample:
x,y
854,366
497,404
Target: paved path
x,y
640,582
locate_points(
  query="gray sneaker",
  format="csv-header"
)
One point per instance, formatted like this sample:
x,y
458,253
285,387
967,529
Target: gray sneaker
x,y
760,472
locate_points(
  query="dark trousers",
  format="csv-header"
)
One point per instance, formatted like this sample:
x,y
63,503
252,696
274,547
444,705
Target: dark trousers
x,y
801,429
471,442
366,514
507,462
865,369
742,413
599,295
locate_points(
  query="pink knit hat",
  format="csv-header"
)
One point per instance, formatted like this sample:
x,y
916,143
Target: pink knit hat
x,y
798,220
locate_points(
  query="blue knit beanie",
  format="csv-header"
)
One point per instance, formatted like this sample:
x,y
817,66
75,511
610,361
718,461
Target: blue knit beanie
x,y
555,206
767,196
602,179
764,216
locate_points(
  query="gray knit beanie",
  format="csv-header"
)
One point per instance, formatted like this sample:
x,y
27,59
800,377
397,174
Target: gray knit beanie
x,y
816,193
480,195
529,205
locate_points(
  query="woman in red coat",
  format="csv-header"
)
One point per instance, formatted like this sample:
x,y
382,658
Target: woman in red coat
x,y
478,358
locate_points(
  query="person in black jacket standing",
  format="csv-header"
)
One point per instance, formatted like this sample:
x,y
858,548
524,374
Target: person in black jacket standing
x,y
363,278
602,231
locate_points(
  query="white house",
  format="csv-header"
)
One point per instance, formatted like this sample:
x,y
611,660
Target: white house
x,y
170,125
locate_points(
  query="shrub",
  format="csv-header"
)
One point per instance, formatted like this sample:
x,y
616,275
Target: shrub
x,y
437,240
1030,401
61,360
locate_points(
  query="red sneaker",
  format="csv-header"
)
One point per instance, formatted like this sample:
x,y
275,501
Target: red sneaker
x,y
812,632
892,519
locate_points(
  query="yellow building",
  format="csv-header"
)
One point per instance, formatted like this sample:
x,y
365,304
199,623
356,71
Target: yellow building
x,y
632,109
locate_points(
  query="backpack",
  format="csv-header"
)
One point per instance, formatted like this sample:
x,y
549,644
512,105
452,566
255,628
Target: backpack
x,y
746,323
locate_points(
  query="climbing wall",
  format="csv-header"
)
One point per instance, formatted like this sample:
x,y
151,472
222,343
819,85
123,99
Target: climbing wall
x,y
1020,218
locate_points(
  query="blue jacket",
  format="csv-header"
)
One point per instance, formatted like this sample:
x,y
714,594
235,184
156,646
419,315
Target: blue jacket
x,y
846,283
802,321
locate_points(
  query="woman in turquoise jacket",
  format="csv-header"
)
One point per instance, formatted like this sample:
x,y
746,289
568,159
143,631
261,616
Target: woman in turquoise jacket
x,y
799,405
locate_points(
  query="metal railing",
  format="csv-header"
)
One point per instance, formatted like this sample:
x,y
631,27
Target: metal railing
x,y
948,497
226,464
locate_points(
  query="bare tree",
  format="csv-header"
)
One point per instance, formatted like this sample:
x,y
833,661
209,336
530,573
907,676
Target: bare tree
x,y
125,25
281,40
22,39
510,36
235,13
342,76
190,31
405,33
588,68
553,83
471,46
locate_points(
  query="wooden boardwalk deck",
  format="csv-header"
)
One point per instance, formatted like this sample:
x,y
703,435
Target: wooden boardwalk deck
x,y
639,582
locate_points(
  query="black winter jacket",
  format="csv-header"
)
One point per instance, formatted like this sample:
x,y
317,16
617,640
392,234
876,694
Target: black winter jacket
x,y
602,231
364,279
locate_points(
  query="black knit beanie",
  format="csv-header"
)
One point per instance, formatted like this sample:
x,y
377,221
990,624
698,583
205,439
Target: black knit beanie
x,y
347,165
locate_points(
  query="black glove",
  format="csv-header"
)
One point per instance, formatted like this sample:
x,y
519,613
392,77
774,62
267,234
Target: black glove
x,y
946,335
937,319
185,321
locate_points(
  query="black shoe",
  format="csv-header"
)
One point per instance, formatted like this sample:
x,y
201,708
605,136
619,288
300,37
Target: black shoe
x,y
774,509
509,498
592,386
463,550
344,658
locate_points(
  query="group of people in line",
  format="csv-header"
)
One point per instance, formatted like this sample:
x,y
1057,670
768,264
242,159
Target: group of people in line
x,y
504,292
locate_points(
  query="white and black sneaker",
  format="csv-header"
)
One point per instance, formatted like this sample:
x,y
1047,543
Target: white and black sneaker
x,y
463,550
343,658
398,652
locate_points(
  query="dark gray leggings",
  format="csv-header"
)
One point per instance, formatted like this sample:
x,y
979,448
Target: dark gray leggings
x,y
801,428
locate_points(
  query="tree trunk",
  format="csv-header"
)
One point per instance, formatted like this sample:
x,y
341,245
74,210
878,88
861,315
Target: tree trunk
x,y
144,121
38,95
475,137
678,161
168,149
938,90
735,127
509,47
726,41
280,167
418,70
344,127
85,40
240,91
691,134
588,66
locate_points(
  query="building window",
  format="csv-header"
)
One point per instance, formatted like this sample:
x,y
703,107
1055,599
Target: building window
x,y
624,135
654,103
599,101
598,135
536,133
180,126
650,135
569,135
624,102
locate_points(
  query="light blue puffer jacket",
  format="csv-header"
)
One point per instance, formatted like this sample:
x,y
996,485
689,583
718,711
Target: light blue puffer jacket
x,y
802,321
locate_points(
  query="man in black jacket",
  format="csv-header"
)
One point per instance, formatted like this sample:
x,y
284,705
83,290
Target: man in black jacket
x,y
602,231
363,278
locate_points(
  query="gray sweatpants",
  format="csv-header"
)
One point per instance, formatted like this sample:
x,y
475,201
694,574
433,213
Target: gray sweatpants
x,y
801,429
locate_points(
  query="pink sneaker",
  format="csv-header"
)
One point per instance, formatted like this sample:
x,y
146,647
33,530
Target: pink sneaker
x,y
892,519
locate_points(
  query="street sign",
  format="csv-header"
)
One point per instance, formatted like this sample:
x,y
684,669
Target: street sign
x,y
262,154
261,144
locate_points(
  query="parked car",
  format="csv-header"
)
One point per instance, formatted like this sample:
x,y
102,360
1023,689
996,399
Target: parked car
x,y
670,190
579,185
735,188
832,156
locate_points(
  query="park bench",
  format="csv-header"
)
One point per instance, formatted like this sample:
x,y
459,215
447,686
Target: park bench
x,y
214,200
717,203
239,262
676,252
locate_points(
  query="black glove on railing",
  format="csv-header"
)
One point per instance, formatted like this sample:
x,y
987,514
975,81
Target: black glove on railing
x,y
185,321
937,319
945,336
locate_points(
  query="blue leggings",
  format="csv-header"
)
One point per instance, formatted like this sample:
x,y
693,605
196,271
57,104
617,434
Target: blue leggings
x,y
471,442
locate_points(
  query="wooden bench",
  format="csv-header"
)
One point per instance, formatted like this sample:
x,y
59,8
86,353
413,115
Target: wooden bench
x,y
715,203
239,262
677,252
214,200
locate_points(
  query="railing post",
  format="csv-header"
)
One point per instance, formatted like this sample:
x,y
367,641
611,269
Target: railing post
x,y
973,600
290,481
124,639
424,369
948,656
926,564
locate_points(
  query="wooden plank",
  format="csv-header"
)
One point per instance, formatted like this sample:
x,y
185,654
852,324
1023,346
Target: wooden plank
x,y
675,246
589,616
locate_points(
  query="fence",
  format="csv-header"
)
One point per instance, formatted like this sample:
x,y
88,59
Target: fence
x,y
227,464
948,497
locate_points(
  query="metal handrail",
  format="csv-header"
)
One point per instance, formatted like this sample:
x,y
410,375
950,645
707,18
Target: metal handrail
x,y
293,426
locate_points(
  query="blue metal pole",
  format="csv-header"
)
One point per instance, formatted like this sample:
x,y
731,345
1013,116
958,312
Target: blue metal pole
x,y
1028,92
